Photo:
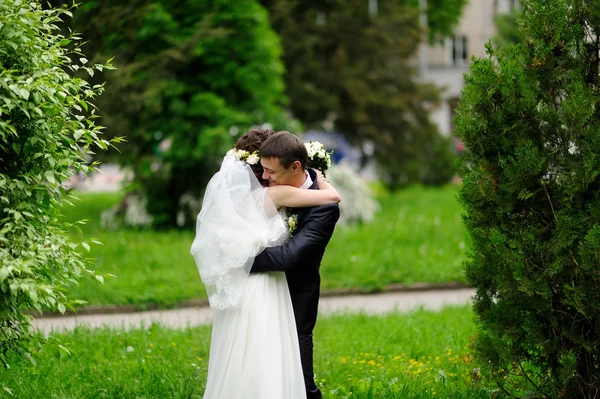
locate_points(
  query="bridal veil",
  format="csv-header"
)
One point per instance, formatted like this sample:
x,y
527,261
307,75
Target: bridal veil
x,y
237,221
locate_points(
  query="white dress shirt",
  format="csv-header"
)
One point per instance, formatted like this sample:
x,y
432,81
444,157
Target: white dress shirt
x,y
308,182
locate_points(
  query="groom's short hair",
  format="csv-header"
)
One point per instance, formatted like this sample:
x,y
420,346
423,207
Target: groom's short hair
x,y
286,147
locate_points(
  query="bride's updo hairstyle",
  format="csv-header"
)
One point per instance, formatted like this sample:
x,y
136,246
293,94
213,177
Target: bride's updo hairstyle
x,y
252,141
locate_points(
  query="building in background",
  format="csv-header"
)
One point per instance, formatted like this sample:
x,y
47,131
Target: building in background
x,y
445,62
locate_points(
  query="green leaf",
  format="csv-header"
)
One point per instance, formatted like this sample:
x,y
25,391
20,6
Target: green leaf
x,y
28,356
62,348
7,227
4,272
50,176
86,246
24,93
61,308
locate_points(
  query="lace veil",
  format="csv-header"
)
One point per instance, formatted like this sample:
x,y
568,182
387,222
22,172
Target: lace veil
x,y
237,221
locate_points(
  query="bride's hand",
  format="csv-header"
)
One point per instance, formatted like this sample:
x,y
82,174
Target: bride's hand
x,y
320,176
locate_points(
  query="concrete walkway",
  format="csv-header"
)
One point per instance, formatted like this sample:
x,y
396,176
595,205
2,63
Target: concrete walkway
x,y
181,318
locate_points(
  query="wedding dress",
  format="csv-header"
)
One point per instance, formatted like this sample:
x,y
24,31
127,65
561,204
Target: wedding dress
x,y
254,350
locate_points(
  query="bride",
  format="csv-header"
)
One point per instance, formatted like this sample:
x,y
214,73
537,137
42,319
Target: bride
x,y
254,351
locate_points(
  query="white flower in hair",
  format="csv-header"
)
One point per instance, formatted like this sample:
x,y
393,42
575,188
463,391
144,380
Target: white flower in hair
x,y
253,159
244,156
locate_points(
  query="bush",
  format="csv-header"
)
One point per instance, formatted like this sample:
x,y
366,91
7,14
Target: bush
x,y
428,159
46,129
438,165
530,122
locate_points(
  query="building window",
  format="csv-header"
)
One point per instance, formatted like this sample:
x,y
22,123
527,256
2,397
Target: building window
x,y
373,8
460,50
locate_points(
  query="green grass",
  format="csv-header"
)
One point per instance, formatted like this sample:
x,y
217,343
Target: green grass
x,y
418,355
150,266
417,236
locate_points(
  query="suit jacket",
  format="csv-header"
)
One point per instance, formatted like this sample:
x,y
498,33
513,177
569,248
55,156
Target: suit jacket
x,y
300,258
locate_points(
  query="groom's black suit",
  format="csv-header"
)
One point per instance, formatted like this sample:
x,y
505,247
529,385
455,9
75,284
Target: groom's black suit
x,y
300,258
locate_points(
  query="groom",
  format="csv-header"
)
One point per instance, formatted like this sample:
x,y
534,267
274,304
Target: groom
x,y
284,157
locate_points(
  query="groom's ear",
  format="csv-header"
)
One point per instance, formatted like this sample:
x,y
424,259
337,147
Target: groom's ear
x,y
296,166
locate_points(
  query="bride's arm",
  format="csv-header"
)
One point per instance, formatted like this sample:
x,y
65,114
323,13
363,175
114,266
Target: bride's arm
x,y
296,197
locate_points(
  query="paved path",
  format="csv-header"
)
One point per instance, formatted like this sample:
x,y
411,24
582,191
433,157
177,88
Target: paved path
x,y
181,318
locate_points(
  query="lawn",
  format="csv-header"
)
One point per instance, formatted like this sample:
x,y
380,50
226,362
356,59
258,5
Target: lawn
x,y
418,355
417,236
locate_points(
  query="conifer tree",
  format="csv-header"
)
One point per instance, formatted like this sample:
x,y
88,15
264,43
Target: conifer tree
x,y
530,121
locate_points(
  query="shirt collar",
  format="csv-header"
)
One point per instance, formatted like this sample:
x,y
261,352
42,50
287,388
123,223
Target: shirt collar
x,y
308,182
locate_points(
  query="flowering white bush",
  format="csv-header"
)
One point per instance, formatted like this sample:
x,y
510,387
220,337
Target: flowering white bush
x,y
358,202
132,213
189,208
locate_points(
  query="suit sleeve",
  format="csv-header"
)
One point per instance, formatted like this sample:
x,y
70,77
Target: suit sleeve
x,y
317,229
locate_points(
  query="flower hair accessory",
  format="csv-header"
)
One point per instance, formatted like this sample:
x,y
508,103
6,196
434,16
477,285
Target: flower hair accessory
x,y
244,156
318,158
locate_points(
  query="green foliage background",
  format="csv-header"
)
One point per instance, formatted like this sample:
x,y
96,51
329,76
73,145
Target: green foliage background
x,y
350,72
191,76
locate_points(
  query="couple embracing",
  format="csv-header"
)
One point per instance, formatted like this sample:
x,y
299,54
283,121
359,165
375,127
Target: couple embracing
x,y
265,222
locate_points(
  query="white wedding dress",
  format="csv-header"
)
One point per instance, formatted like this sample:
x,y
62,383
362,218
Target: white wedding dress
x,y
254,350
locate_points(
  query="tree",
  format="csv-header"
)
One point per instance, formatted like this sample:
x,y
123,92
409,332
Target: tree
x,y
47,128
506,25
350,71
191,75
442,16
530,120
